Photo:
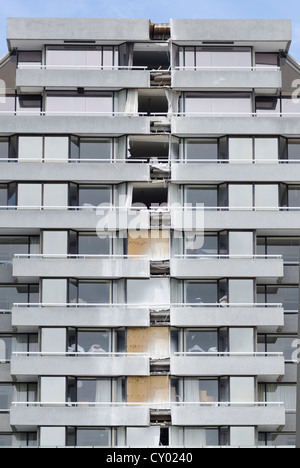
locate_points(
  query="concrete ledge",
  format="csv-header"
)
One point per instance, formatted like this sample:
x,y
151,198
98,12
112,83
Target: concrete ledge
x,y
112,316
267,319
112,268
226,79
226,268
119,416
268,369
23,367
267,418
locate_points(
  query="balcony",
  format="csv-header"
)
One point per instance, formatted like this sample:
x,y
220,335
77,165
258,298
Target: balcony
x,y
268,367
59,77
227,266
267,416
184,125
88,171
220,171
227,78
30,267
68,123
27,366
29,317
78,414
268,318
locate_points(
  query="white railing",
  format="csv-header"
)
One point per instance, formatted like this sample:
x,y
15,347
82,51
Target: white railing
x,y
38,66
227,354
151,307
80,256
217,67
229,257
236,161
78,354
163,405
227,305
82,161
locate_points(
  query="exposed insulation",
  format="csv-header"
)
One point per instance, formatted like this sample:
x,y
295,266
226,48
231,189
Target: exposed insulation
x,y
153,341
154,389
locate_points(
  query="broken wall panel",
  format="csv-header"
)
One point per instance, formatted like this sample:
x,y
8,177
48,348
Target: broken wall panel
x,y
154,389
146,245
152,341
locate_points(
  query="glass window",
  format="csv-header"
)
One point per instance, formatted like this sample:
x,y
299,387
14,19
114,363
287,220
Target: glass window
x,y
56,148
95,148
7,103
267,105
94,391
294,196
52,436
6,440
6,396
282,393
217,103
3,195
13,245
4,148
286,295
30,58
93,437
207,195
240,196
91,341
86,292
29,104
204,391
294,149
290,106
200,341
201,149
199,437
288,247
91,244
10,294
94,195
266,60
277,440
30,148
201,245
277,344
266,148
241,149
99,103
201,293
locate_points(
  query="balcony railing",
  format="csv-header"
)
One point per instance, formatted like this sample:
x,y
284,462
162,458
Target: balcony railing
x,y
221,68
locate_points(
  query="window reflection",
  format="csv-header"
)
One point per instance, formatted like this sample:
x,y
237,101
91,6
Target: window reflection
x,y
201,341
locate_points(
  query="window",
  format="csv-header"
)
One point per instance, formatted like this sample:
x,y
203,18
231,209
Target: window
x,y
17,294
56,148
6,396
268,105
96,341
29,195
286,295
202,292
56,195
274,393
7,195
201,149
242,389
4,148
266,60
13,245
288,247
17,343
29,104
54,291
20,439
196,341
242,437
91,244
240,196
240,149
277,344
154,291
7,103
92,195
95,148
241,340
89,102
30,148
294,196
85,437
89,292
281,439
82,56
290,106
293,149
241,291
204,391
30,58
217,103
55,242
241,243
207,195
201,245
266,148
267,196
214,57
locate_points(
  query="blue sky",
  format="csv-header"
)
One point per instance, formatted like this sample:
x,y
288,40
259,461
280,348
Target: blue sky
x,y
156,10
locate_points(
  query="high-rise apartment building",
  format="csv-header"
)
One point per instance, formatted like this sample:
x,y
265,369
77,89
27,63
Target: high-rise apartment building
x,y
149,233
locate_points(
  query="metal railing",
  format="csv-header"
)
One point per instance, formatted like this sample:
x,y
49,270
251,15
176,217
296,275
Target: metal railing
x,y
236,161
77,354
163,405
215,68
229,257
227,354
